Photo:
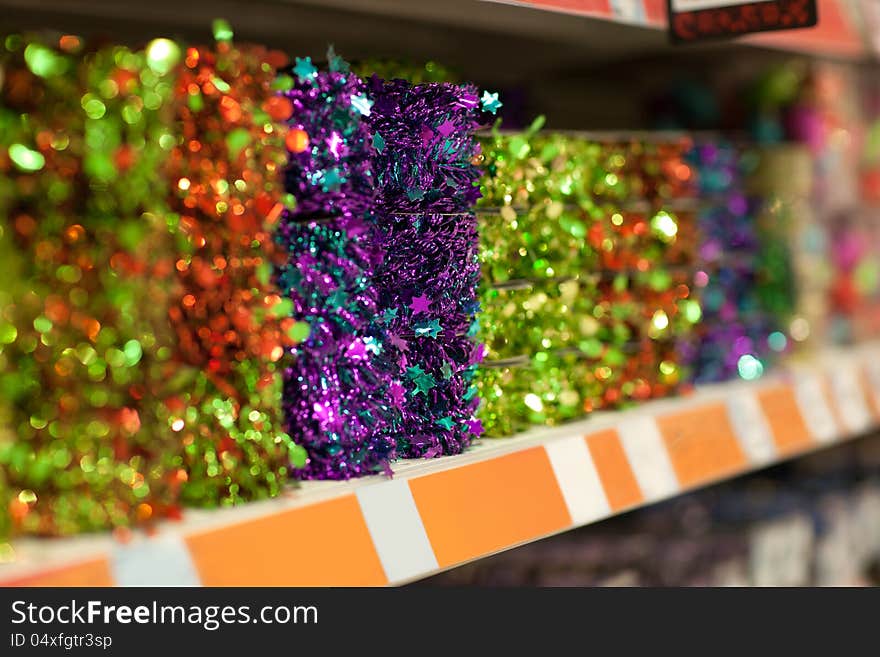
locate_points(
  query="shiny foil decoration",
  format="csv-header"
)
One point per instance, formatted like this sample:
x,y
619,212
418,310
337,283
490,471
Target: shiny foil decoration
x,y
231,323
797,261
425,153
425,164
740,335
336,386
427,290
588,251
86,352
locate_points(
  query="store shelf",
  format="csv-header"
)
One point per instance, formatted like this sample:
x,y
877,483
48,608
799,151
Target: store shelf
x,y
582,63
502,493
515,38
837,33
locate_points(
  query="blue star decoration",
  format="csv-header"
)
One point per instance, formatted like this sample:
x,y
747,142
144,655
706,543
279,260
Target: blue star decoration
x,y
431,329
305,70
422,380
446,423
389,314
490,102
362,104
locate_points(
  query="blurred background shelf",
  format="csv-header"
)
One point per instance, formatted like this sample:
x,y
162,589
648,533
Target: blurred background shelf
x,y
437,514
583,63
536,31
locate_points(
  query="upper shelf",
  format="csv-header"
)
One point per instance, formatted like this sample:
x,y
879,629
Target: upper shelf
x,y
601,68
483,38
836,35
440,513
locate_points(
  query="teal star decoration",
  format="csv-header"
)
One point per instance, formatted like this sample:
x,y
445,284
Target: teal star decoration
x,y
304,69
337,298
415,194
431,329
490,102
470,393
446,423
336,63
389,314
362,104
421,379
371,345
331,180
378,143
446,371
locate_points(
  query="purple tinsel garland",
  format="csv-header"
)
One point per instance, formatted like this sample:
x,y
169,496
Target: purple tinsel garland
x,y
335,388
426,286
382,265
424,146
424,163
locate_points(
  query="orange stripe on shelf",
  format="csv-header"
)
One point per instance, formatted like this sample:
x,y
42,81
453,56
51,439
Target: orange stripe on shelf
x,y
587,7
655,11
868,390
95,572
324,544
790,432
615,473
480,508
701,444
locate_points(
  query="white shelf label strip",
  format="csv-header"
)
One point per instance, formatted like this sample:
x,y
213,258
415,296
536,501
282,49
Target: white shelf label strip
x,y
648,457
397,530
578,479
751,427
162,560
632,11
813,405
850,398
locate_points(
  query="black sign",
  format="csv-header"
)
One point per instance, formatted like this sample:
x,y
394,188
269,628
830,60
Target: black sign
x,y
700,20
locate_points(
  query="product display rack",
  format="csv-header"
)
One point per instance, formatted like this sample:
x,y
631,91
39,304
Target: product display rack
x,y
437,514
